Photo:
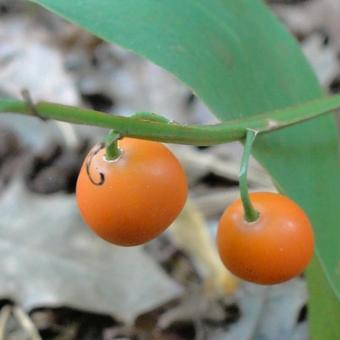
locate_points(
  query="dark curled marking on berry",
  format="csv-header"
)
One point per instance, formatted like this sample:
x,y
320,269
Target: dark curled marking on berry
x,y
88,164
30,106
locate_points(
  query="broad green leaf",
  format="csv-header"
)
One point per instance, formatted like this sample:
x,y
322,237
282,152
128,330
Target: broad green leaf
x,y
240,61
324,311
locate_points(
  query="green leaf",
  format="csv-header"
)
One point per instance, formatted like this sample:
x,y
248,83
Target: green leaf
x,y
240,61
324,308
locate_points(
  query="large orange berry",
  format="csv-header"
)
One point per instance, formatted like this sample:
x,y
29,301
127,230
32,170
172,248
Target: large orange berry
x,y
274,248
131,200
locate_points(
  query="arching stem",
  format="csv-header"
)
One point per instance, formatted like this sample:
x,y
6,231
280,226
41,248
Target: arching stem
x,y
250,213
112,150
152,127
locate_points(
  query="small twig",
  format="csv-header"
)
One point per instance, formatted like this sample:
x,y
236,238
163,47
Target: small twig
x,y
31,108
26,323
4,317
68,132
197,242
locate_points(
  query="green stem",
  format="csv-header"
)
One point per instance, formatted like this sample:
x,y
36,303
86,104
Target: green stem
x,y
112,150
250,214
150,117
172,132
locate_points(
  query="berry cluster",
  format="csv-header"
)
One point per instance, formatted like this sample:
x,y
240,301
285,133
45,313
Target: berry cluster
x,y
133,198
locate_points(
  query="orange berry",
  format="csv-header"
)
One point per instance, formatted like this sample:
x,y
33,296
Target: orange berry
x,y
273,249
142,192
